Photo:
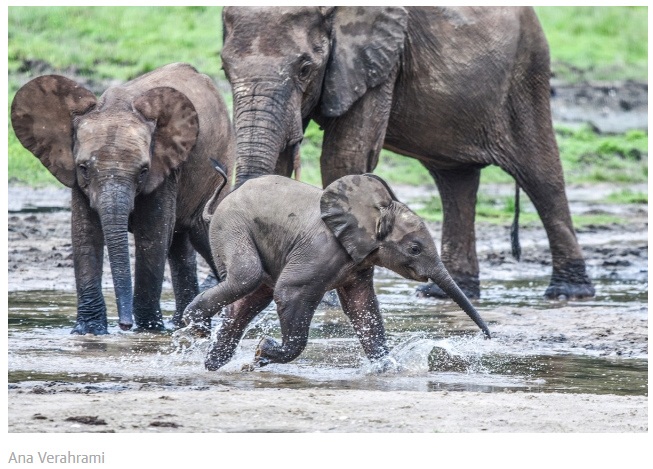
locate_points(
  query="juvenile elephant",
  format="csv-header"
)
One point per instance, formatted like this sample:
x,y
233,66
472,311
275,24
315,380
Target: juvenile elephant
x,y
303,242
136,160
457,88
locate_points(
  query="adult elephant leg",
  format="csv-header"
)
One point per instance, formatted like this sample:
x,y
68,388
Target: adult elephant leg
x,y
361,306
153,227
183,269
88,255
458,190
236,319
352,142
544,184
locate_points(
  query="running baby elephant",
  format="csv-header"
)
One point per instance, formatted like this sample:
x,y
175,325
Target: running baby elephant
x,y
136,159
301,243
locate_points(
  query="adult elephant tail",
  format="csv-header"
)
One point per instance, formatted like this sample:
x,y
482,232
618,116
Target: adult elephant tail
x,y
514,229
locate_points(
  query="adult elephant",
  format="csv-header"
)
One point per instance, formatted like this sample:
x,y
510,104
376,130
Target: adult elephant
x,y
457,88
136,160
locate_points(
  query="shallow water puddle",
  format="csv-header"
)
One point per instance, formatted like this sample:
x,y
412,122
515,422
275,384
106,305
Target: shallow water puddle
x,y
434,346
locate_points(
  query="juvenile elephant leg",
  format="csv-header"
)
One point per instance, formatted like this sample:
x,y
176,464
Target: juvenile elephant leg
x,y
458,190
153,224
183,269
199,238
296,304
361,306
236,319
88,255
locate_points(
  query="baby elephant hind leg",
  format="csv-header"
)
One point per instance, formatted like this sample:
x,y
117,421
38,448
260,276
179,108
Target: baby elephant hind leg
x,y
295,307
239,282
237,318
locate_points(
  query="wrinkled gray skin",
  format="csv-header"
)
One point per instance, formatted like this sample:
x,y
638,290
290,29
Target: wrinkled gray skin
x,y
136,160
301,243
458,88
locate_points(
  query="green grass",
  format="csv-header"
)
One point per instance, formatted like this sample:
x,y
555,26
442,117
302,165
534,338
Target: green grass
x,y
597,43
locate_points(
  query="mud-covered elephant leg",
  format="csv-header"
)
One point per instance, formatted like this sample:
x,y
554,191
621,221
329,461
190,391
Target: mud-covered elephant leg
x,y
296,303
236,319
458,190
544,184
88,255
153,225
183,269
361,306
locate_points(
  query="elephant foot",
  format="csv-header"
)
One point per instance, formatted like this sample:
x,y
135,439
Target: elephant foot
x,y
95,327
470,286
266,348
150,326
570,282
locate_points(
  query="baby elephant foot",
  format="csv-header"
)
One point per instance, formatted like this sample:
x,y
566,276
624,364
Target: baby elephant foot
x,y
267,347
94,326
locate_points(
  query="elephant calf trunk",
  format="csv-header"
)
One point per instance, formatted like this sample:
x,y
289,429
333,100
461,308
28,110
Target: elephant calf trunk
x,y
444,281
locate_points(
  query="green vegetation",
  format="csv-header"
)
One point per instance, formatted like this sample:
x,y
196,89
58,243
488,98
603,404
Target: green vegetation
x,y
120,43
597,43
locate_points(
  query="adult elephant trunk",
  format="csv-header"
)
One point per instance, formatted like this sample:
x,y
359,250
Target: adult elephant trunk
x,y
442,279
266,124
114,206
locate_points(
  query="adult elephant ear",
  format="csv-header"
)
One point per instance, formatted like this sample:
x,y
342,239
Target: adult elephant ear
x,y
358,209
42,114
366,44
176,128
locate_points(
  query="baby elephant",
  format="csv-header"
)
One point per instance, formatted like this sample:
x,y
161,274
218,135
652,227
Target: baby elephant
x,y
136,159
284,240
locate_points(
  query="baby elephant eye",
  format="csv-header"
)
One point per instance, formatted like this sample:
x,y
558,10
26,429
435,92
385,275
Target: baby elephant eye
x,y
305,71
142,175
415,249
83,169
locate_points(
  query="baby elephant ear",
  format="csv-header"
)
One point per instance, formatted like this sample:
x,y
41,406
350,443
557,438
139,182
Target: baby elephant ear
x,y
42,115
175,134
358,210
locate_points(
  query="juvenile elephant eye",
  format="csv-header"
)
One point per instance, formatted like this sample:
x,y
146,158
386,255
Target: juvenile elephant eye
x,y
305,71
83,169
415,249
142,175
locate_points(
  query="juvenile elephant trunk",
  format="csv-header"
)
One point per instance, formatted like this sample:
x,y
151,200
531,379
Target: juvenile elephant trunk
x,y
263,130
442,279
114,206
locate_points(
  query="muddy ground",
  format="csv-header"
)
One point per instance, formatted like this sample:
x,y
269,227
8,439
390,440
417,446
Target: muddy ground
x,y
40,257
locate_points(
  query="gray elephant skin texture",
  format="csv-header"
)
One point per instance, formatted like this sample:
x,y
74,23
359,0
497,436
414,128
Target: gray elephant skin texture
x,y
457,88
301,243
137,160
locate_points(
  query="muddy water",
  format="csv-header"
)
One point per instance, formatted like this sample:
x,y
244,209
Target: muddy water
x,y
434,346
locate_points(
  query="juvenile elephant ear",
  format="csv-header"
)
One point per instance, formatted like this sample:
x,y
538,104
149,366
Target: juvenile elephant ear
x,y
175,134
42,117
366,45
358,210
